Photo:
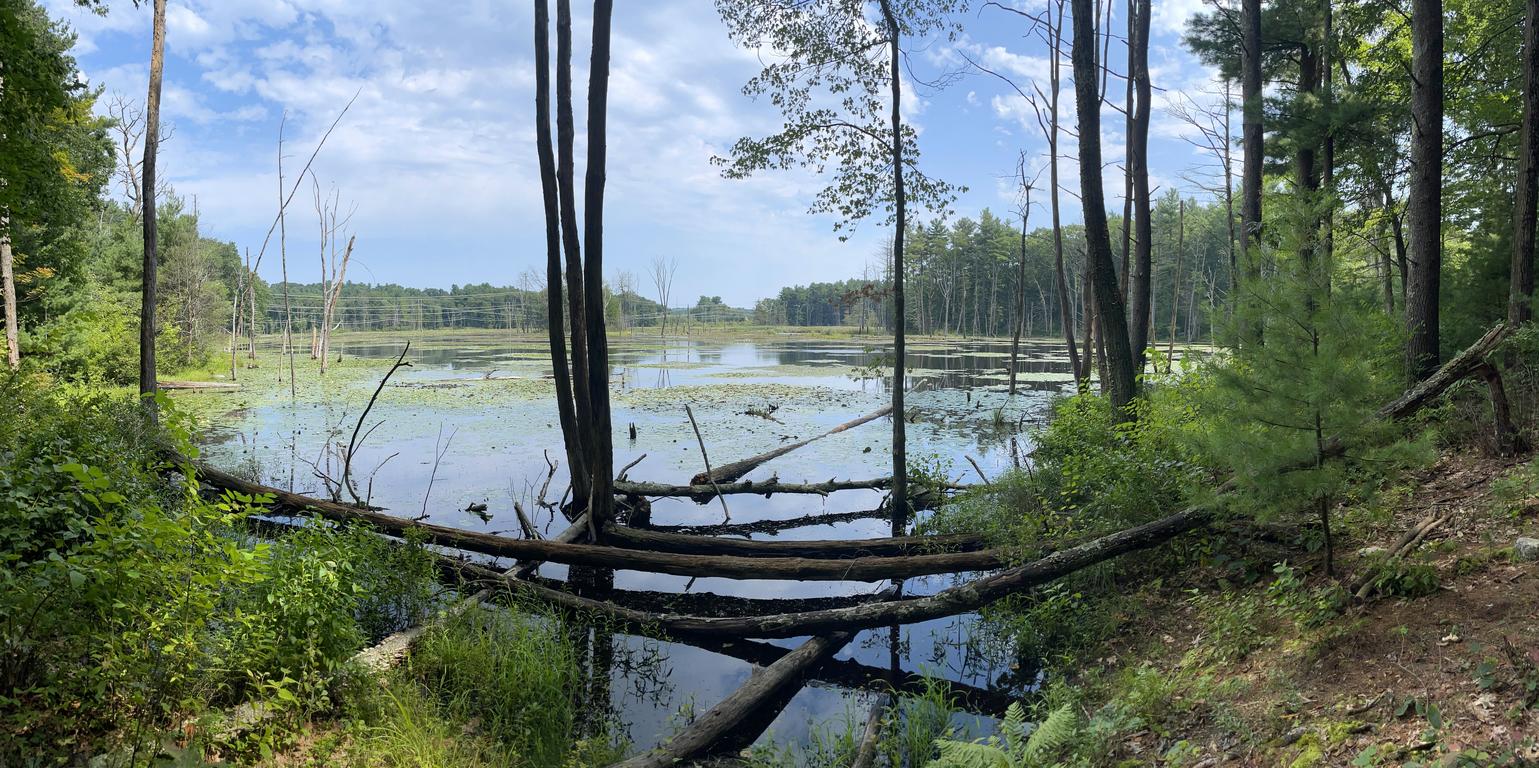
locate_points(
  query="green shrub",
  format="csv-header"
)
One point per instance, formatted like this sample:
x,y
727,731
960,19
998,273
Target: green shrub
x,y
129,602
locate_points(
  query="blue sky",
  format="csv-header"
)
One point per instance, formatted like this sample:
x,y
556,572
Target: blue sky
x,y
438,155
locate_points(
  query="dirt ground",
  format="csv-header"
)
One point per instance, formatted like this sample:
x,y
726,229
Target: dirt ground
x,y
1446,678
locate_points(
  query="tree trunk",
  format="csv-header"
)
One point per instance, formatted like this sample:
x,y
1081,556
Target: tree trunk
x,y
147,295
1065,311
900,227
570,238
1425,203
1122,383
1141,303
601,457
8,278
554,304
1020,288
1251,145
1520,304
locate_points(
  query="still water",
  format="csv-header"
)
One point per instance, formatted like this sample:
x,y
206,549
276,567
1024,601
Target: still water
x,y
473,420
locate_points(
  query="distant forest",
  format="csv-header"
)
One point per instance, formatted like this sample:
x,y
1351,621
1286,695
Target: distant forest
x,y
963,278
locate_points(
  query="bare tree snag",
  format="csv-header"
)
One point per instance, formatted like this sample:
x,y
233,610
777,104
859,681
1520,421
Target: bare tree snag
x,y
572,245
727,473
601,456
7,276
554,302
147,292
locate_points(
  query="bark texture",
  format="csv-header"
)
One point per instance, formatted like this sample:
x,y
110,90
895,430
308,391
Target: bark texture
x,y
1424,206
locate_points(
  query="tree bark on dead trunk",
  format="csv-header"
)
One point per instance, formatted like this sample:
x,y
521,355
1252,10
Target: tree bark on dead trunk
x,y
147,292
8,277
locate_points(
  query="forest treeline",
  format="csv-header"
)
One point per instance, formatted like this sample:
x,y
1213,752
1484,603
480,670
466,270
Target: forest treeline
x,y
964,278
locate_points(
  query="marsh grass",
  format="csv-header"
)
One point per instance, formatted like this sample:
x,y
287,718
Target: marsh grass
x,y
488,688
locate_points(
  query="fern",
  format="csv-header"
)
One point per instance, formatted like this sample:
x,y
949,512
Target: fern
x,y
1012,749
1054,733
969,754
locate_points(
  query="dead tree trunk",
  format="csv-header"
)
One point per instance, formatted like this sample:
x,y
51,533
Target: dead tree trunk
x,y
601,458
1140,303
900,315
7,276
554,304
570,239
147,292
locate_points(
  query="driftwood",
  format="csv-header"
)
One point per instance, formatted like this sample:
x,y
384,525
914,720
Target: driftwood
x,y
727,473
657,541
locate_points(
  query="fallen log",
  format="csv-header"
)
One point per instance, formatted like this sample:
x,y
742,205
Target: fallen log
x,y
773,525
761,487
865,753
722,566
719,721
727,721
962,598
727,473
657,541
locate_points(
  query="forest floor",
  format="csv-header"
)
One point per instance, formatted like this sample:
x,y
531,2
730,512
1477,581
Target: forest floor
x,y
1442,670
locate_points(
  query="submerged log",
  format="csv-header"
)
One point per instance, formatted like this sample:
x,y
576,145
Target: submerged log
x,y
658,541
726,725
775,526
726,473
705,491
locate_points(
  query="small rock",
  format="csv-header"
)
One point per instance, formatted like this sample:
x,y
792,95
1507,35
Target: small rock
x,y
1374,551
1526,549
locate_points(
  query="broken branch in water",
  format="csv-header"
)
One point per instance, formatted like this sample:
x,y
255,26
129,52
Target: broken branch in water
x,y
726,514
352,443
726,473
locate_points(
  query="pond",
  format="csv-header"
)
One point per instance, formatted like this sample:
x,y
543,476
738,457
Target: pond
x,y
473,420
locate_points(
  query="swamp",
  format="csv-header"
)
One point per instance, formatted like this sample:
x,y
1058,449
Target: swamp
x,y
769,383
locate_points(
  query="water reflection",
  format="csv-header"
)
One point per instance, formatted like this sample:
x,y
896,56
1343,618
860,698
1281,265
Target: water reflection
x,y
472,384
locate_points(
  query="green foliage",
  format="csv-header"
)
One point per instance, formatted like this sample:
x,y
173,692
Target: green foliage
x,y
831,85
1014,746
511,673
128,601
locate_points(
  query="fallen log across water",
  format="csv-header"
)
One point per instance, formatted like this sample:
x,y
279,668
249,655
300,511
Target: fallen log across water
x,y
721,566
775,526
768,487
658,541
963,598
726,473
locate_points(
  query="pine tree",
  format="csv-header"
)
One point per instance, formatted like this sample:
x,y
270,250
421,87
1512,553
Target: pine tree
x,y
1329,360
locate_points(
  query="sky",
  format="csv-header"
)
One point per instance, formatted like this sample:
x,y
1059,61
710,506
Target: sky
x,y
437,155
